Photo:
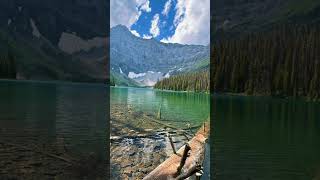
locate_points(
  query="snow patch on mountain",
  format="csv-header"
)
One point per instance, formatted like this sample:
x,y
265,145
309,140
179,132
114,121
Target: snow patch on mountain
x,y
35,30
71,43
133,75
120,70
149,78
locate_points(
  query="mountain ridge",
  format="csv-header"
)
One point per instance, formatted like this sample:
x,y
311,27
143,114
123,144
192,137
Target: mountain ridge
x,y
150,60
233,18
35,29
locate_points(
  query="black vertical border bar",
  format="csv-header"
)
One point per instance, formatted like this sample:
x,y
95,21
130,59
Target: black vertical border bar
x,y
212,155
108,89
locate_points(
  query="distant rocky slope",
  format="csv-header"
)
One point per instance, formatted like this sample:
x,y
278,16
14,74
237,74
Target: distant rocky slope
x,y
232,18
146,61
56,40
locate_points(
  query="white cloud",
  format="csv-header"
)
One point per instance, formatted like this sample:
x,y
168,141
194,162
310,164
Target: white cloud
x,y
123,12
180,11
154,30
146,36
192,22
127,12
166,8
134,32
146,7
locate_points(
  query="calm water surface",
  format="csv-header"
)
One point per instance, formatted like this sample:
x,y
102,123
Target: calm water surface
x,y
177,107
40,111
265,138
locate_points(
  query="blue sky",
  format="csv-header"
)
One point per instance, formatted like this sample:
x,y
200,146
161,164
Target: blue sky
x,y
168,21
166,26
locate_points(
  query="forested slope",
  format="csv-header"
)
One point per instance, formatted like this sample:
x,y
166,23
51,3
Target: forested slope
x,y
7,66
284,61
193,81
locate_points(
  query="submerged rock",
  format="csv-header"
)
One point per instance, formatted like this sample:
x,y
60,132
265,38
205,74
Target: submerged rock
x,y
144,147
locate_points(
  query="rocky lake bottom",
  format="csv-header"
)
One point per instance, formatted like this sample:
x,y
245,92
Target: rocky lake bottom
x,y
139,143
33,157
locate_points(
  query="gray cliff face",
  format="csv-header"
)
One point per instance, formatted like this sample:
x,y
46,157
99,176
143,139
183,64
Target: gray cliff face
x,y
56,39
53,17
147,60
234,17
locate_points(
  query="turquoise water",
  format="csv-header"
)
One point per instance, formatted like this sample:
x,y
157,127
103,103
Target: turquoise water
x,y
177,107
265,138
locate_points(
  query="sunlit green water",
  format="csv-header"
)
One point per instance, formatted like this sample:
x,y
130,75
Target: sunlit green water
x,y
265,138
41,112
177,107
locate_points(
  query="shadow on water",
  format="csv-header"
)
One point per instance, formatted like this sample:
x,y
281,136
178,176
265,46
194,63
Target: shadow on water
x,y
64,120
265,138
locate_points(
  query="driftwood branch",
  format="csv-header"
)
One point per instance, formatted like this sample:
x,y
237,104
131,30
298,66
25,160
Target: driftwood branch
x,y
41,152
193,170
171,143
174,127
171,126
183,159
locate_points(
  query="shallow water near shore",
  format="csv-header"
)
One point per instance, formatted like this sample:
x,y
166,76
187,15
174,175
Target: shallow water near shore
x,y
179,108
138,143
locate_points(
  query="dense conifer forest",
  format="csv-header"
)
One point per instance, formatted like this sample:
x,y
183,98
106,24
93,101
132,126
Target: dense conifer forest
x,y
195,81
284,61
7,67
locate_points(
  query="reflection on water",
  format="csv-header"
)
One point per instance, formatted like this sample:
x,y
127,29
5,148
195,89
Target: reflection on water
x,y
175,106
38,111
265,138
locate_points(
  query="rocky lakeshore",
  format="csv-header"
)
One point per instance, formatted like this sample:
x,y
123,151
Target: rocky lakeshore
x,y
139,143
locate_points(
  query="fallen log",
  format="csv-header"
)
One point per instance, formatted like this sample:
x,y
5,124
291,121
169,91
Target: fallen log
x,y
169,169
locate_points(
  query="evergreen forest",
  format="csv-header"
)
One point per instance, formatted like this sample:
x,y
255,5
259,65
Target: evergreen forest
x,y
192,81
284,61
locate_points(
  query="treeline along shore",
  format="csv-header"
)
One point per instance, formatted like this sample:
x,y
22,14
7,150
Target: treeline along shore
x,y
7,66
283,61
193,81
